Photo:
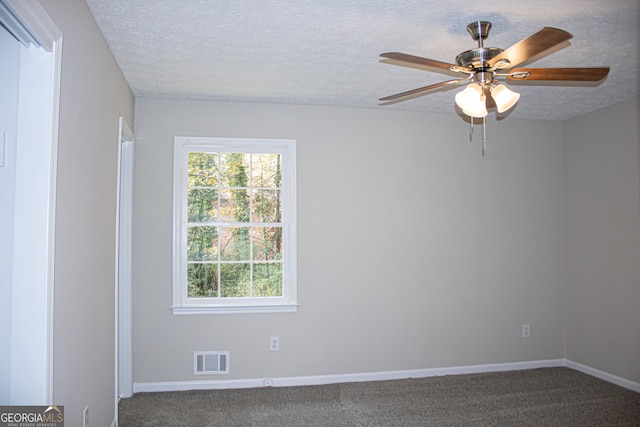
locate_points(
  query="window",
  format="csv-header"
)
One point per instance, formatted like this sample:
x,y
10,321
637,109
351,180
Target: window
x,y
234,225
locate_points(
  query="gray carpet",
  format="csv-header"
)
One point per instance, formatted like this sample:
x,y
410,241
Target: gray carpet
x,y
536,397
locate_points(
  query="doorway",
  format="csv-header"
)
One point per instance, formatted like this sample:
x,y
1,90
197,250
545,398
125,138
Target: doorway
x,y
30,149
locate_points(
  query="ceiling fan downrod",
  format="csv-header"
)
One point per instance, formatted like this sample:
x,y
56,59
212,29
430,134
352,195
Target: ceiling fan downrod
x,y
478,59
479,31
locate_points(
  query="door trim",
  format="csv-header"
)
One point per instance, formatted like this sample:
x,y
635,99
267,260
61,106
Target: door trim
x,y
33,281
124,212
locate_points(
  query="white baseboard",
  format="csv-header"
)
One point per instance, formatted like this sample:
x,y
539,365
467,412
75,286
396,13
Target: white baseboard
x,y
342,378
380,376
622,382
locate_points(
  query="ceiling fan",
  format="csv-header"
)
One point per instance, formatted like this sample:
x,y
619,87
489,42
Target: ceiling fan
x,y
483,66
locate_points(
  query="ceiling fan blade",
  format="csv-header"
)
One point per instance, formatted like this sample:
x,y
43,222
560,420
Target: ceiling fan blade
x,y
559,74
410,94
531,46
406,60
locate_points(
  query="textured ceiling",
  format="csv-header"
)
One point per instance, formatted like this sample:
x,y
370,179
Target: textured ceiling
x,y
326,52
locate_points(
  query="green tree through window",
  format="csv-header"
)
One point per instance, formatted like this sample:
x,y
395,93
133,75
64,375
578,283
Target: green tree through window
x,y
234,225
234,234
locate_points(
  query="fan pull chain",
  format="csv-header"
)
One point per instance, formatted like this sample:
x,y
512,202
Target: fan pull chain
x,y
471,131
484,135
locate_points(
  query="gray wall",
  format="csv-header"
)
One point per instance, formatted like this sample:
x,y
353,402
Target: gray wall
x,y
413,252
602,163
93,95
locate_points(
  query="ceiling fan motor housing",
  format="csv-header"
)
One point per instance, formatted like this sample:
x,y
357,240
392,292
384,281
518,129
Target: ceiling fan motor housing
x,y
477,58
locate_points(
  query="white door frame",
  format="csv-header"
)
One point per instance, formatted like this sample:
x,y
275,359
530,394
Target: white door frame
x,y
32,289
124,211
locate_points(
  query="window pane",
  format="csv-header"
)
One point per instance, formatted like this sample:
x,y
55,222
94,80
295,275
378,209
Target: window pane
x,y
234,243
235,169
202,280
234,206
266,170
267,280
230,232
266,206
202,244
202,205
267,243
235,280
202,170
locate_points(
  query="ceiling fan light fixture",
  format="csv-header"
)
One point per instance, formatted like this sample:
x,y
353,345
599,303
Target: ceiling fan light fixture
x,y
504,97
479,111
472,101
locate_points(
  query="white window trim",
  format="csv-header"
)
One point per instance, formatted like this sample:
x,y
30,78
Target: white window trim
x,y
288,302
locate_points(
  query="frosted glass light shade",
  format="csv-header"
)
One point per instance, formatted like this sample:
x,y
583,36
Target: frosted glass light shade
x,y
472,101
504,97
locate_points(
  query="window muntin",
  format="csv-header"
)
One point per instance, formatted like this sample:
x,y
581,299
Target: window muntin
x,y
234,242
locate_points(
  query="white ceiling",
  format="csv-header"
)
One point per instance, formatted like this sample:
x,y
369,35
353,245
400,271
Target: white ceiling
x,y
326,52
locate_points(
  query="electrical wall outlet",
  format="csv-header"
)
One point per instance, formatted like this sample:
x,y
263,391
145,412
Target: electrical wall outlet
x,y
274,343
526,330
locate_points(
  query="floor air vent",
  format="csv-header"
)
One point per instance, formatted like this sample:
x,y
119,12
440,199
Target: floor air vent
x,y
210,362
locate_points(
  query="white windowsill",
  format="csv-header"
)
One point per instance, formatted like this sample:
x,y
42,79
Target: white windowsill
x,y
235,309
